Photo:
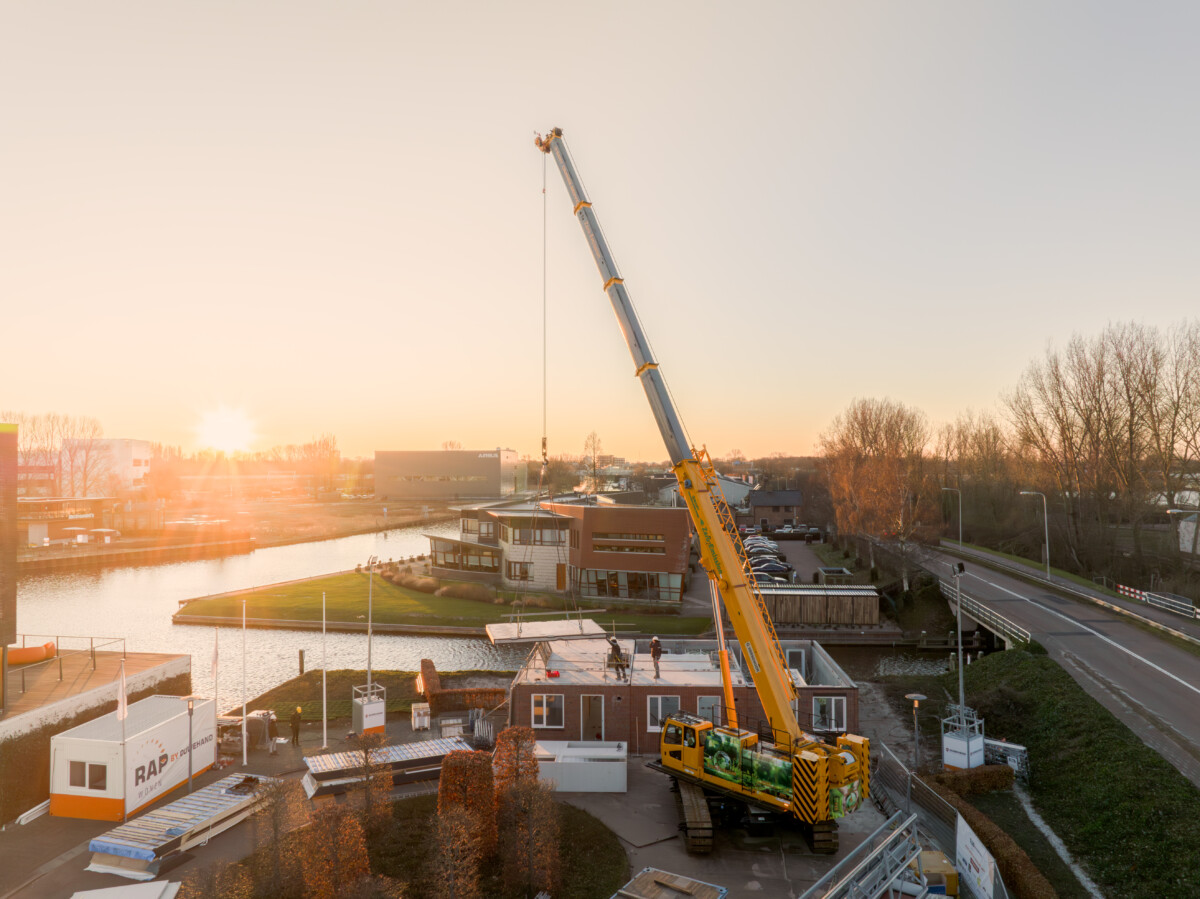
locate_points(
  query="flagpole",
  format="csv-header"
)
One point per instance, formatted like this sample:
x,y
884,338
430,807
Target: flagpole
x,y
123,713
245,747
324,668
216,696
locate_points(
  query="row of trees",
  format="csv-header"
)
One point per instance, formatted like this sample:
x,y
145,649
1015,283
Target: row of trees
x,y
1108,428
69,449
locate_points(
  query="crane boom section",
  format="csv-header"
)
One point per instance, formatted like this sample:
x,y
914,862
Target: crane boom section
x,y
643,359
721,551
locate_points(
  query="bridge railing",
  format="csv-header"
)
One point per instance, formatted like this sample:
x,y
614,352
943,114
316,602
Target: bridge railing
x,y
985,615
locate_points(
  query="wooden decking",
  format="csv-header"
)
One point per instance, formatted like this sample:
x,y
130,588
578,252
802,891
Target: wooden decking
x,y
42,685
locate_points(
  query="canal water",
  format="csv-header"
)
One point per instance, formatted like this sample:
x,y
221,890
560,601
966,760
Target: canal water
x,y
137,603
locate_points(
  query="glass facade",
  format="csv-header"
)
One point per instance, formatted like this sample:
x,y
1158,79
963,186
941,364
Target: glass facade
x,y
650,585
465,556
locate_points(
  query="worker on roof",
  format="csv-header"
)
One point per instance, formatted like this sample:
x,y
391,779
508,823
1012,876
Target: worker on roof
x,y
616,658
655,654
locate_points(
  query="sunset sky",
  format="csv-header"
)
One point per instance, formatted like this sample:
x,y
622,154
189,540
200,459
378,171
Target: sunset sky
x,y
327,217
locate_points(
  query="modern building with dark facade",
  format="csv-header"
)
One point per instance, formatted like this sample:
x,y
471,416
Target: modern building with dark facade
x,y
447,474
635,553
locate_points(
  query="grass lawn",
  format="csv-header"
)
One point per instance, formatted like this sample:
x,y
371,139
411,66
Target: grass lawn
x,y
1124,812
1005,810
592,860
1035,568
305,691
346,600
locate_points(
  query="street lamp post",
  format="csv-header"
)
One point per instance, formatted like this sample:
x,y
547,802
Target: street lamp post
x,y
916,701
959,492
1046,519
370,596
959,571
191,701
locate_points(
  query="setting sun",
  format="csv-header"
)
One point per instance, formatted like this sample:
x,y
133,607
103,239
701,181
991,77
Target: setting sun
x,y
225,429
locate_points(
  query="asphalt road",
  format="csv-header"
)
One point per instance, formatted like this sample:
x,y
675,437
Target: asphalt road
x,y
1150,683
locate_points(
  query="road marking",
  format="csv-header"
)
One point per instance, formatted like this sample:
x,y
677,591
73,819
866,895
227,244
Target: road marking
x,y
1091,631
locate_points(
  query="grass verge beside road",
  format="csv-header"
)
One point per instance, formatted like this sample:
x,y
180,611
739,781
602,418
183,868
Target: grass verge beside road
x,y
1124,812
346,601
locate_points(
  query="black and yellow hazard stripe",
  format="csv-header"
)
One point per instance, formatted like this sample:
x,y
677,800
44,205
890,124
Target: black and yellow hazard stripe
x,y
810,786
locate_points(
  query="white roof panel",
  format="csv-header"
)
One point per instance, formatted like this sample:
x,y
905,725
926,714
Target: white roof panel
x,y
144,715
537,631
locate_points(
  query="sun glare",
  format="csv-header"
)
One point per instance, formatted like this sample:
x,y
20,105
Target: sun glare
x,y
225,429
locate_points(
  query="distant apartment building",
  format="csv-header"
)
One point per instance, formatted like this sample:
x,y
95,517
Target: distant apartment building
x,y
447,474
104,466
635,553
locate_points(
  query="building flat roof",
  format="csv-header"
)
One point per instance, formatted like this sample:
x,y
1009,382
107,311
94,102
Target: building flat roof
x,y
585,663
42,686
144,715
536,631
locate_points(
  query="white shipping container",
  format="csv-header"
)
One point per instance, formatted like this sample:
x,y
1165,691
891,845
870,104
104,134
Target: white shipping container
x,y
99,770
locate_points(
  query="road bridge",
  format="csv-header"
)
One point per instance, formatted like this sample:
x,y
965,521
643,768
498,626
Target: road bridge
x,y
1148,679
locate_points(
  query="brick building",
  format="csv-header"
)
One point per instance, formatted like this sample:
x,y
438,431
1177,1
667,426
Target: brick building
x,y
568,690
633,553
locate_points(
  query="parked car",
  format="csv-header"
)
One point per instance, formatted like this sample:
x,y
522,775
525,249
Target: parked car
x,y
762,552
769,566
760,541
761,577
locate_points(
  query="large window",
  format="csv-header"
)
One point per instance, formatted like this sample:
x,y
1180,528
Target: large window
x,y
548,709
709,708
630,584
623,548
829,713
520,571
89,776
464,556
599,536
657,710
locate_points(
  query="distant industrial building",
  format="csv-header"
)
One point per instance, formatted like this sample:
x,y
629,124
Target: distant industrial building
x,y
448,474
600,551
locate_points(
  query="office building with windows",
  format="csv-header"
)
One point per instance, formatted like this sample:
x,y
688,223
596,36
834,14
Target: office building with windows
x,y
594,551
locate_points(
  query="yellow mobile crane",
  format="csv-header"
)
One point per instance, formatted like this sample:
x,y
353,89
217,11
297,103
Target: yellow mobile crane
x,y
793,772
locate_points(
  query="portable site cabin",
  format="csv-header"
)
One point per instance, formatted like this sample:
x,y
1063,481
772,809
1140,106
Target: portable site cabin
x,y
94,774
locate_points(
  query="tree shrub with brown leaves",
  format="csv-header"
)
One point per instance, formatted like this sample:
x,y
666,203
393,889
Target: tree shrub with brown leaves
x,y
516,758
467,784
333,853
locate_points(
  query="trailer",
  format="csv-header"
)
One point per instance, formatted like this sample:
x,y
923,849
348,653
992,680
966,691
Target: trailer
x,y
338,772
139,848
107,770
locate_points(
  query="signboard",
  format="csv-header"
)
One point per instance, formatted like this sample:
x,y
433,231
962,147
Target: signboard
x,y
975,864
157,761
962,749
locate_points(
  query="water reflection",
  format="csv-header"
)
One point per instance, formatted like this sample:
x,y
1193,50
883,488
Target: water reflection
x,y
137,604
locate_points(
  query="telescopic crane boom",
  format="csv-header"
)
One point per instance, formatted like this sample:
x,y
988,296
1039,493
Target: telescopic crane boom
x,y
721,553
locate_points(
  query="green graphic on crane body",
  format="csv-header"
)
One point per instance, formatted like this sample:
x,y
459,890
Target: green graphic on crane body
x,y
727,759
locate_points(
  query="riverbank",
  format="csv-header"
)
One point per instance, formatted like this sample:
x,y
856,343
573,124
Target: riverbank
x,y
264,524
394,609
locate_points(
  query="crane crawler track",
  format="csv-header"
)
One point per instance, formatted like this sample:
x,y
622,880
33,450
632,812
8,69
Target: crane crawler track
x,y
694,818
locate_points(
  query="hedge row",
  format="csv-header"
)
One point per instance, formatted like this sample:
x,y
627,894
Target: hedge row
x,y
973,781
1020,875
25,760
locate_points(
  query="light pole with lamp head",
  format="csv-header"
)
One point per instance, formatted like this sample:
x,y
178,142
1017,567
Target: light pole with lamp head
x,y
191,701
916,698
959,492
1046,519
958,571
